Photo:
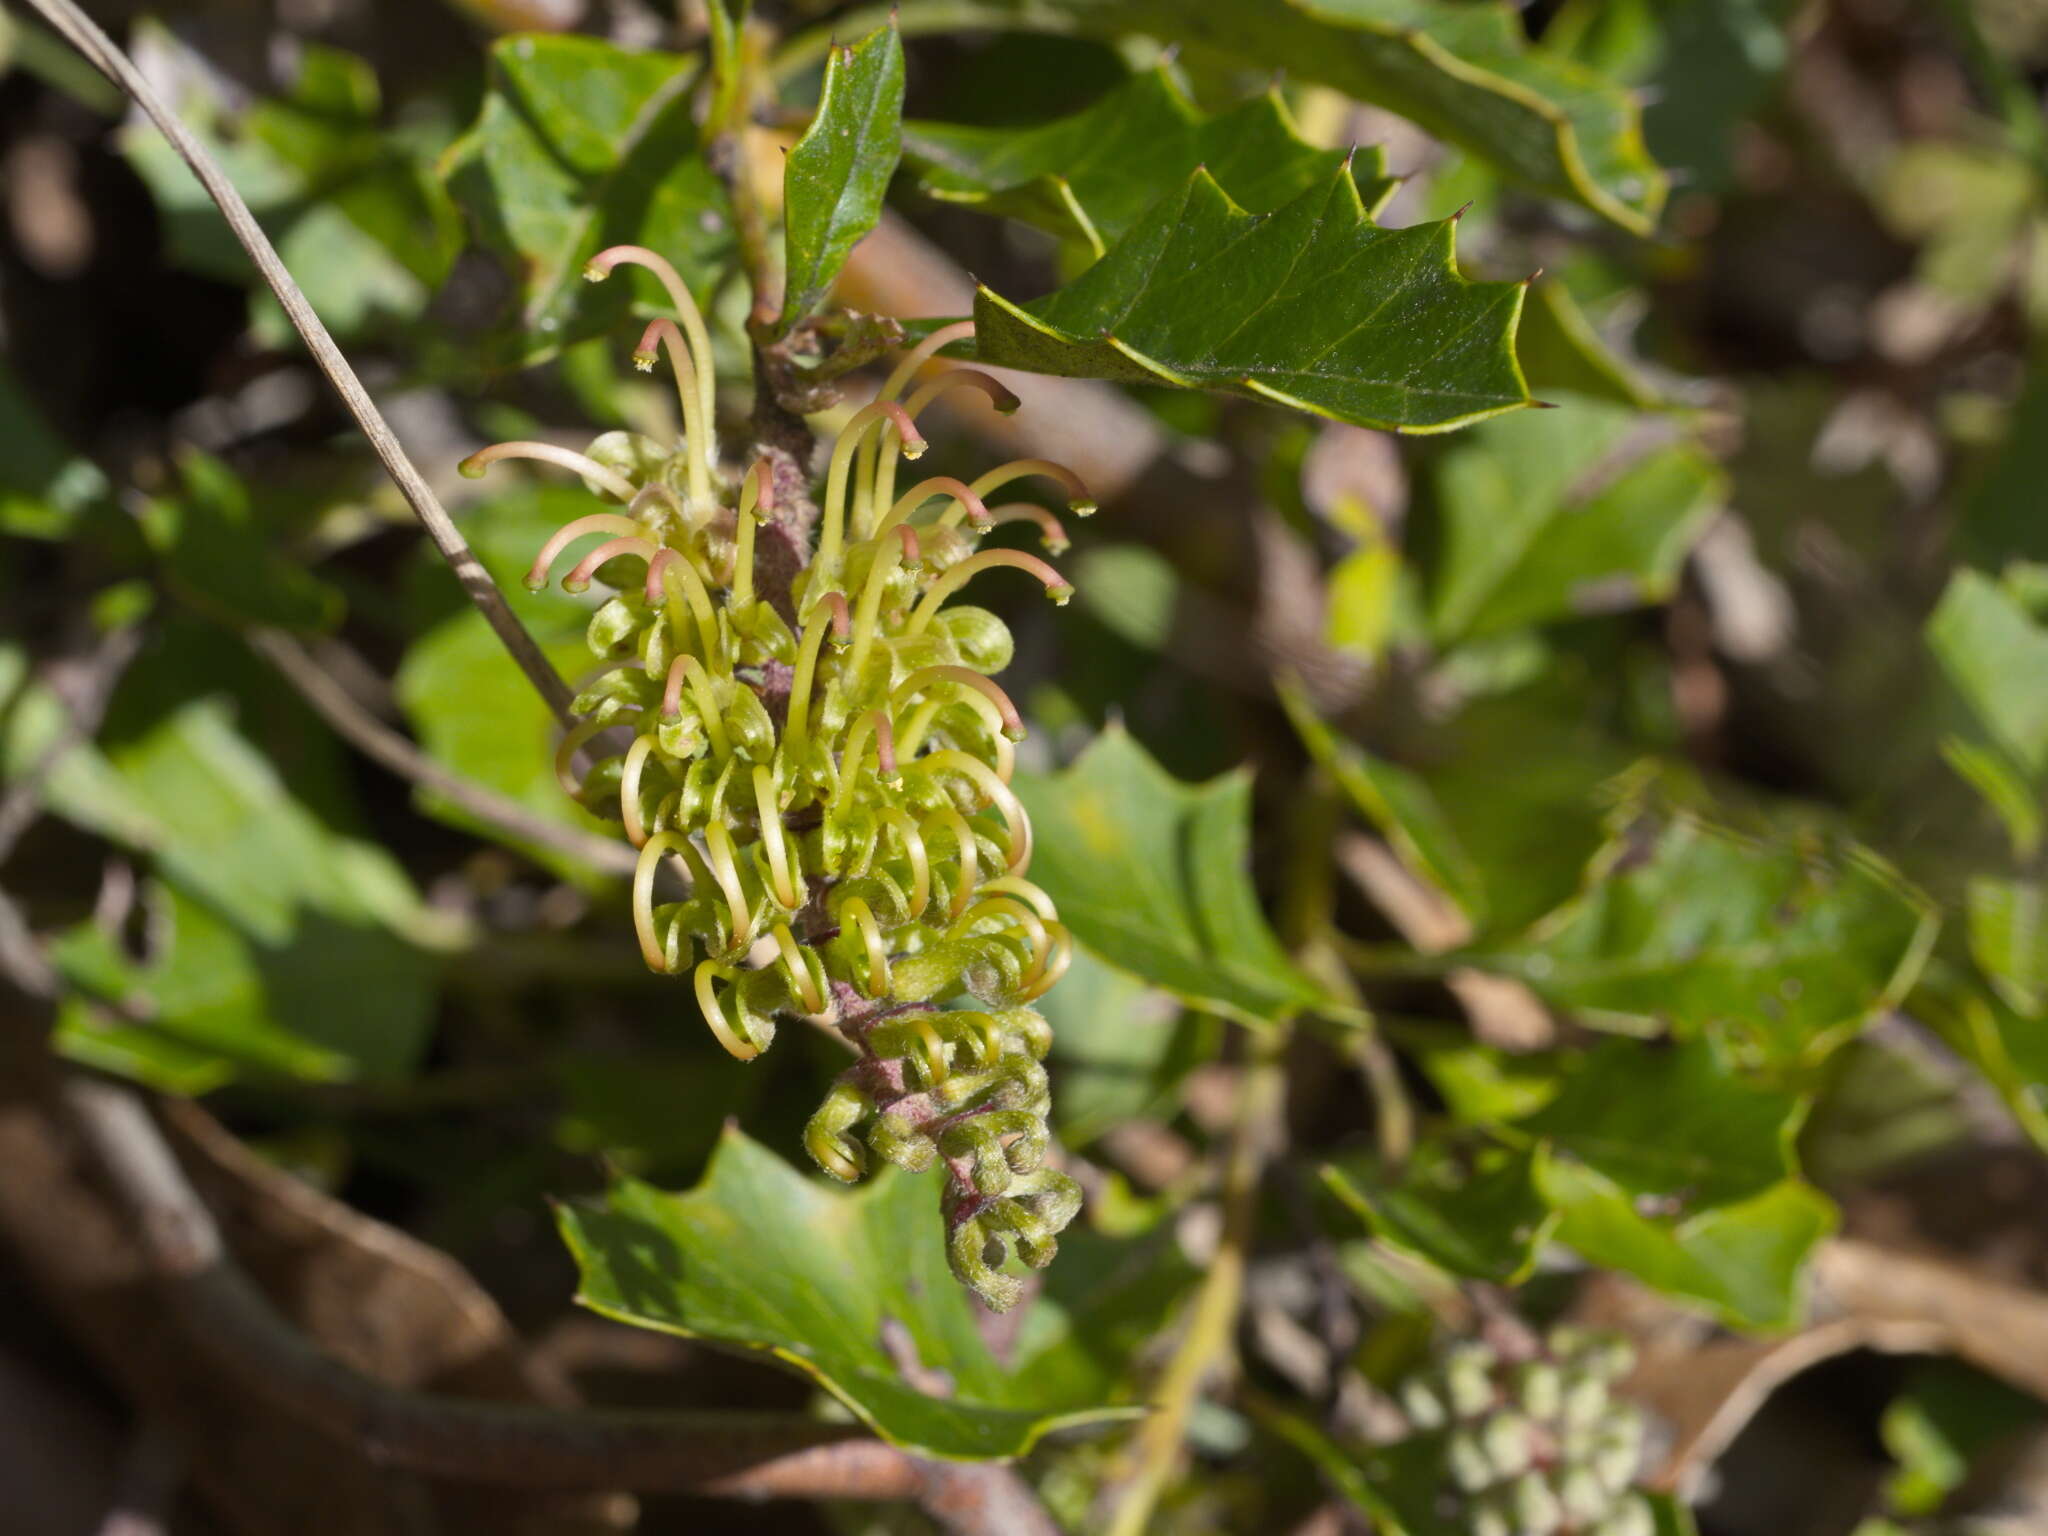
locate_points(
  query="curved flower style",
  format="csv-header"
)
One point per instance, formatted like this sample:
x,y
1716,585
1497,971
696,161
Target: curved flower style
x,y
827,769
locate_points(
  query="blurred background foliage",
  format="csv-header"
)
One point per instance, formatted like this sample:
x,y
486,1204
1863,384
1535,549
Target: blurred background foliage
x,y
1629,867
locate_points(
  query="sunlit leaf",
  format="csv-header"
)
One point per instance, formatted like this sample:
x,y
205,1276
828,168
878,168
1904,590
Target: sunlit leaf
x,y
836,175
852,1289
581,145
1090,176
1311,305
1150,873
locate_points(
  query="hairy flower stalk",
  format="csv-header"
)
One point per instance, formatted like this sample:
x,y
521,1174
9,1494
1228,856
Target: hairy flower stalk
x,y
835,796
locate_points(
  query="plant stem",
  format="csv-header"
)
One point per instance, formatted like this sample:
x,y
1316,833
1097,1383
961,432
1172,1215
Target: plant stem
x,y
81,32
377,740
1214,1316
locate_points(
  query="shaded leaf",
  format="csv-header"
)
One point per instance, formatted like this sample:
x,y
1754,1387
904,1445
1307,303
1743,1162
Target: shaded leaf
x,y
2009,1047
1465,72
2008,932
1150,873
1551,515
1311,305
1784,948
1741,1261
581,145
1122,1047
1473,1211
1091,176
1944,1418
1681,1125
838,172
45,489
852,1289
215,555
1995,654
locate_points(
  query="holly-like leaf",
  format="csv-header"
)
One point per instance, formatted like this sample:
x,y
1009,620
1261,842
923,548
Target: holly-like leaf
x,y
1092,175
1312,306
1150,873
1680,1126
1741,1261
1471,1210
2009,1047
837,173
1123,1047
852,1289
1550,515
581,145
1786,948
1465,71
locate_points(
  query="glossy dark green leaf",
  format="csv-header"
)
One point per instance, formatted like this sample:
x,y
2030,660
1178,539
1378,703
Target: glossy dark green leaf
x,y
1151,874
217,557
1092,175
581,145
1550,515
852,1289
1784,947
1473,1210
838,172
1740,1261
1465,71
1311,305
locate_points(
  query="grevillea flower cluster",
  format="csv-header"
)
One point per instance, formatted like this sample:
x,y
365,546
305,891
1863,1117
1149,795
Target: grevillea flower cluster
x,y
827,770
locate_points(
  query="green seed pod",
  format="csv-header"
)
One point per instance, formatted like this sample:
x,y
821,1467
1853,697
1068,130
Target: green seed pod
x,y
1423,1407
1631,1517
1581,1496
1536,1506
1468,1379
1509,1443
1465,1458
1540,1386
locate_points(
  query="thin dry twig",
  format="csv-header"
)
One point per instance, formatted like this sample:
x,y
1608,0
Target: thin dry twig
x,y
375,739
80,31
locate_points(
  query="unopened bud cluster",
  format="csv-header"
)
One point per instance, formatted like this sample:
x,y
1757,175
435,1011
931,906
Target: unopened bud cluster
x,y
827,771
1538,1446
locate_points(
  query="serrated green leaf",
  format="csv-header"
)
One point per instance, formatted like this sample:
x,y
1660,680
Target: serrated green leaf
x,y
1741,1261
1681,1125
1150,874
2008,933
852,1289
1465,72
1995,654
1311,305
1091,176
1785,949
1551,515
581,145
1562,353
1474,1211
838,172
